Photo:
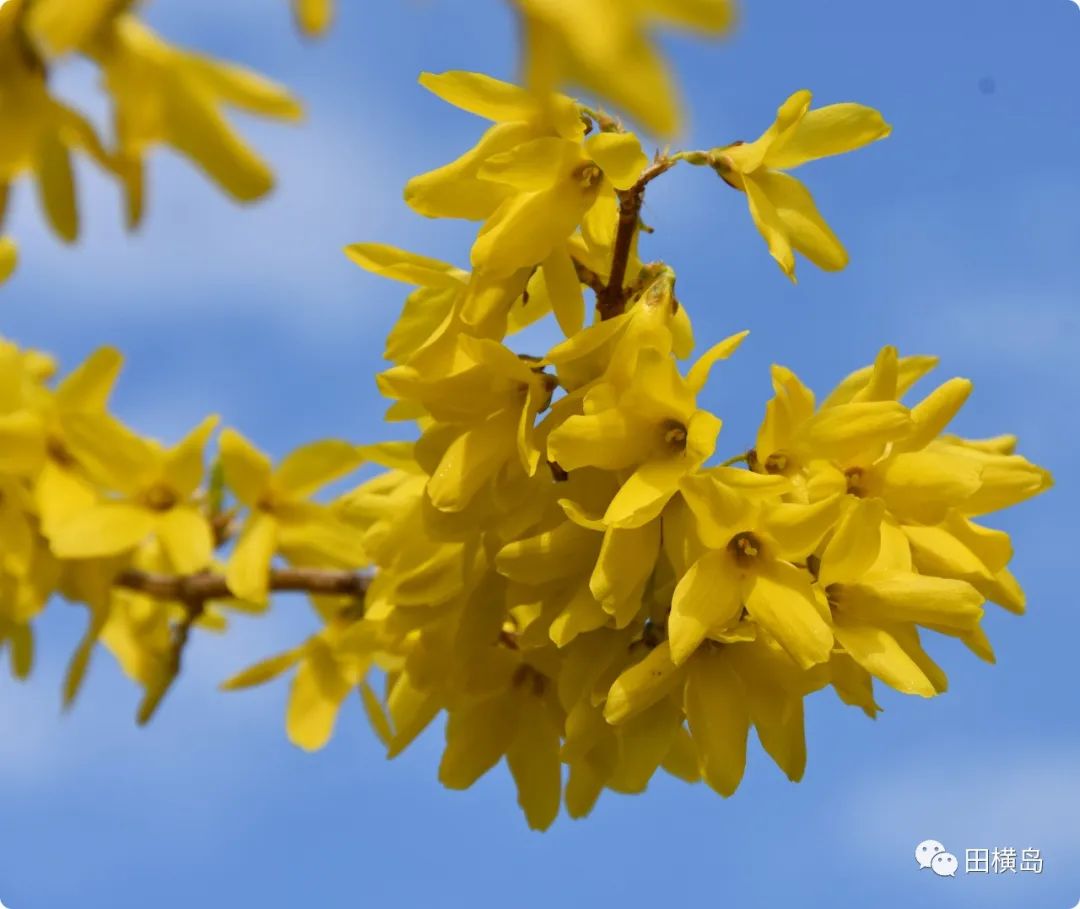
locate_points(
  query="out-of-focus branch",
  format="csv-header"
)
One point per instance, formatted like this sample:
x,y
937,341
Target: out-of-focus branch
x,y
206,586
194,591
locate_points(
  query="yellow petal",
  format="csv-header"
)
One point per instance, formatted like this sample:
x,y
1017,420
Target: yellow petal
x,y
699,372
564,291
780,599
642,685
646,492
830,130
471,460
187,539
314,16
707,598
846,430
905,597
477,737
620,157
623,568
401,265
247,470
855,545
879,654
771,226
801,222
183,465
481,95
316,697
102,530
9,258
311,467
247,574
264,671
719,720
88,387
534,762
56,185
455,190
534,165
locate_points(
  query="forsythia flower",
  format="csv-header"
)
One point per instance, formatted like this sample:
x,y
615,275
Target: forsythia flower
x,y
162,94
38,133
782,208
159,93
605,47
282,518
157,486
314,16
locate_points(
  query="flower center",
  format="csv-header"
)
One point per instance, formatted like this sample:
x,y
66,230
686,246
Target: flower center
x,y
159,498
674,434
745,547
588,175
855,481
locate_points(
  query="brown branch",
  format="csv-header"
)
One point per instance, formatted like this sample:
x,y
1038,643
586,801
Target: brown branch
x,y
611,301
196,590
206,586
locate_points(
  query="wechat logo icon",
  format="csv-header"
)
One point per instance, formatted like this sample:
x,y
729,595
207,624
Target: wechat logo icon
x,y
931,854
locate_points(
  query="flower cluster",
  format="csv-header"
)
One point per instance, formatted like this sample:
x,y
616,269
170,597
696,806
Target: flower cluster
x,y
557,567
160,95
554,561
93,513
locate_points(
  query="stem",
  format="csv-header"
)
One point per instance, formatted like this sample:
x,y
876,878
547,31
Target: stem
x,y
611,301
196,590
205,586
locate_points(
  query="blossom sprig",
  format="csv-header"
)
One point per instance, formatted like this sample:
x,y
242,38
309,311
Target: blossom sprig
x,y
160,95
553,560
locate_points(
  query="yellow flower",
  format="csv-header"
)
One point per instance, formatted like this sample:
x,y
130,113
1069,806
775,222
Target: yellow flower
x,y
313,16
38,135
877,599
156,485
511,711
165,95
456,190
754,549
490,411
62,487
63,26
651,428
782,208
281,518
606,46
329,666
553,182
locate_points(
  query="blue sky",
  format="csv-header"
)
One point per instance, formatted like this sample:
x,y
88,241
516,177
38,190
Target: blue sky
x,y
962,230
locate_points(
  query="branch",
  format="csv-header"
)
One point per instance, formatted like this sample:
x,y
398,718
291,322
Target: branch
x,y
206,586
612,299
196,590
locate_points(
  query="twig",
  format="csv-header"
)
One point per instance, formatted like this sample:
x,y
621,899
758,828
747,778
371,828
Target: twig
x,y
196,590
612,299
206,586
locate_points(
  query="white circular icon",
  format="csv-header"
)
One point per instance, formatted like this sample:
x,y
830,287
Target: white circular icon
x,y
944,864
925,852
